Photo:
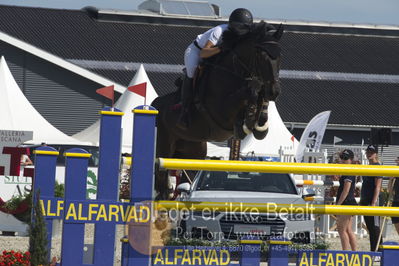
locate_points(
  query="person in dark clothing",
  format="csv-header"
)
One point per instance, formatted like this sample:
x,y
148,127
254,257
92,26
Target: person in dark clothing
x,y
395,202
370,196
346,196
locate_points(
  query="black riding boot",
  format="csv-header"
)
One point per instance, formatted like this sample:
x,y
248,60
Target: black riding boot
x,y
187,99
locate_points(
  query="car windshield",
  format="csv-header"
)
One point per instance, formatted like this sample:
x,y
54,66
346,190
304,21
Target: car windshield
x,y
244,181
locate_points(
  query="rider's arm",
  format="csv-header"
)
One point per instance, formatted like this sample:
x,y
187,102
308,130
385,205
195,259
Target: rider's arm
x,y
209,50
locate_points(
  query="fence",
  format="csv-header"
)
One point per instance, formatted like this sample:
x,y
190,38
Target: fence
x,y
106,211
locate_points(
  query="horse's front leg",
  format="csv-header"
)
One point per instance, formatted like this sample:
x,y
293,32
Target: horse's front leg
x,y
255,104
262,124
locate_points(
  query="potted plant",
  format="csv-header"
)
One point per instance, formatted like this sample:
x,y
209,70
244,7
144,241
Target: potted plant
x,y
19,206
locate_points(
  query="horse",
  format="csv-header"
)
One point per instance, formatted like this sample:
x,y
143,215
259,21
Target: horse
x,y
232,98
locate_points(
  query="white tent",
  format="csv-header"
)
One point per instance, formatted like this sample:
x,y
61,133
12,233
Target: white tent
x,y
126,103
17,113
278,136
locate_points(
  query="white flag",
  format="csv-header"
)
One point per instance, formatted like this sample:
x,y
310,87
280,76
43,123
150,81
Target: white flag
x,y
336,140
313,134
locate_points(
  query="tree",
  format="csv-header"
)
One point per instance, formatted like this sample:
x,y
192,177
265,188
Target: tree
x,y
38,235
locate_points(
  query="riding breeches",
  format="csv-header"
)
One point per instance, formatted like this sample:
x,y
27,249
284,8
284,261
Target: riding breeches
x,y
191,59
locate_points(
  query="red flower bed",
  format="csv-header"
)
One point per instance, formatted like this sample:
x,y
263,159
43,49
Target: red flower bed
x,y
12,258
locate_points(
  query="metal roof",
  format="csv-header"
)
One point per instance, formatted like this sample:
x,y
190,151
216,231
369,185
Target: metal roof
x,y
349,70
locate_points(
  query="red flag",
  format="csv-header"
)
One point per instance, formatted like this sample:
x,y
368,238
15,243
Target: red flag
x,y
107,92
292,138
140,89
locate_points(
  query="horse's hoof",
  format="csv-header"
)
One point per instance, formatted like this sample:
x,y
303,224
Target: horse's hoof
x,y
262,128
262,119
259,135
249,123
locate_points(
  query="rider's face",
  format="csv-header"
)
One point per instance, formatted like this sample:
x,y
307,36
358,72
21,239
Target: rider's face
x,y
370,155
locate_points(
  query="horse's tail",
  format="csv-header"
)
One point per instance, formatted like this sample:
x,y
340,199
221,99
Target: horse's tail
x,y
156,103
165,100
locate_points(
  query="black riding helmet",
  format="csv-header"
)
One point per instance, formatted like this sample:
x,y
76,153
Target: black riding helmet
x,y
240,21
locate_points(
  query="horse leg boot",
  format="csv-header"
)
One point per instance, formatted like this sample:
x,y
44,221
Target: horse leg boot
x,y
187,99
262,125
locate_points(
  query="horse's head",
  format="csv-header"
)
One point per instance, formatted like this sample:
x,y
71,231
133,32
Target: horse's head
x,y
256,58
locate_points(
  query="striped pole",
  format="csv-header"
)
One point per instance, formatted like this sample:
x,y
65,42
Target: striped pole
x,y
326,199
108,183
75,189
300,183
277,208
142,183
277,167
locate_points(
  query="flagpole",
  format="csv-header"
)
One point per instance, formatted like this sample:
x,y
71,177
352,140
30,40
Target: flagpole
x,y
140,89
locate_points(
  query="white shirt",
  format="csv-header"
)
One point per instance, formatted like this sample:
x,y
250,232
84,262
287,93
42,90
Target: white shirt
x,y
213,35
24,158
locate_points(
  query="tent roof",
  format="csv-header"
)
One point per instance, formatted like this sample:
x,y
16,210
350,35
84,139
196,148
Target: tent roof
x,y
278,136
126,103
17,113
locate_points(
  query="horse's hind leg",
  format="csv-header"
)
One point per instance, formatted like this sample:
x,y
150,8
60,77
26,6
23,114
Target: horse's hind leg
x,y
166,146
190,150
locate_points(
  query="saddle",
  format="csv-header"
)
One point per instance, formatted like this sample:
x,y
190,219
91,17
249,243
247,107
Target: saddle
x,y
199,92
200,75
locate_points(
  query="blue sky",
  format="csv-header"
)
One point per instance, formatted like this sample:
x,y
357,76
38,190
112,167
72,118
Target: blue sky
x,y
381,12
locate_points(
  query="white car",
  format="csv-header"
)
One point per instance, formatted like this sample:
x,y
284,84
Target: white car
x,y
212,186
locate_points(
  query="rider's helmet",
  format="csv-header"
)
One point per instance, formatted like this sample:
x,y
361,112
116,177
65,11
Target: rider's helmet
x,y
240,21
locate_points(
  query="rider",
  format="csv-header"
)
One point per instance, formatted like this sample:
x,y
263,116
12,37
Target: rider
x,y
206,45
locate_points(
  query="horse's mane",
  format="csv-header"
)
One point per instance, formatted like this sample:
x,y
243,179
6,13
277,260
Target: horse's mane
x,y
263,34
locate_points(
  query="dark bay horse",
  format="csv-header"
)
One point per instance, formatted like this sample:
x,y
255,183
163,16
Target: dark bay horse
x,y
232,100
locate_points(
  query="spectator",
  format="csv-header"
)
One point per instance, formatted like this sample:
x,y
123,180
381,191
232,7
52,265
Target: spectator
x,y
394,188
346,196
370,196
25,160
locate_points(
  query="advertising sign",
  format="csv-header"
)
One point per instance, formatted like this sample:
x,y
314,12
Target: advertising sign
x,y
313,135
332,257
12,179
